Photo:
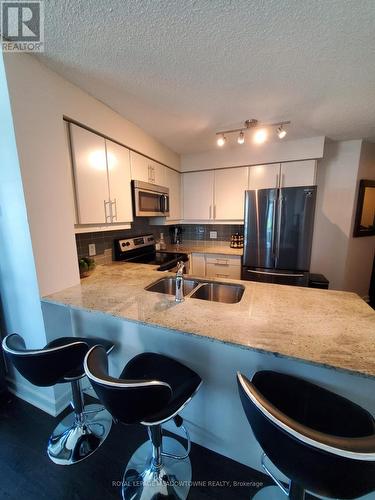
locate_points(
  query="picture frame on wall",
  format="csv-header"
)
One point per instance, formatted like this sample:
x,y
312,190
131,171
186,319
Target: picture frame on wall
x,y
364,224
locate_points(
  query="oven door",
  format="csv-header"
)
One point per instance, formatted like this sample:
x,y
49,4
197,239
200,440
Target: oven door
x,y
150,203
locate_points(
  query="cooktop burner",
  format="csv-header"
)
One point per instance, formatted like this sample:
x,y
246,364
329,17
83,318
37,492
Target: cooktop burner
x,y
158,258
141,250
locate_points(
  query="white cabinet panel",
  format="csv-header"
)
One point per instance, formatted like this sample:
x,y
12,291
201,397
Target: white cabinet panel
x,y
198,195
119,182
90,176
218,271
146,170
173,182
198,265
216,266
230,187
264,176
298,173
158,173
140,167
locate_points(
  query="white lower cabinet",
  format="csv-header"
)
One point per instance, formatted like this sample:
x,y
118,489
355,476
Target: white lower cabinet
x,y
223,266
197,264
216,266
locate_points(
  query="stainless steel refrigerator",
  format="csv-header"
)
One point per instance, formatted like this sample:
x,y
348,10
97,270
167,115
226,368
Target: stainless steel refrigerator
x,y
278,235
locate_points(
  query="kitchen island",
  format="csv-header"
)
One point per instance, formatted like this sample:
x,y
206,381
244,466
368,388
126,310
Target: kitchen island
x,y
324,336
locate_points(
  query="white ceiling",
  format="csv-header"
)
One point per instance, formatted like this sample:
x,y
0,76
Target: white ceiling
x,y
182,69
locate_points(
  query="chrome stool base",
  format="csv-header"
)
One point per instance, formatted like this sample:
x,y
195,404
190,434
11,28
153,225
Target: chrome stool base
x,y
78,435
143,481
270,493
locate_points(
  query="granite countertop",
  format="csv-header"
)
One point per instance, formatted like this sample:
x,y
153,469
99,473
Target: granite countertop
x,y
324,327
215,247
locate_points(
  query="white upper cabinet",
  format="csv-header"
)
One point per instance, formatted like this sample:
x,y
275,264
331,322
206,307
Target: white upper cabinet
x,y
140,167
158,173
146,170
173,182
298,173
264,176
90,176
118,159
230,187
291,174
101,174
198,195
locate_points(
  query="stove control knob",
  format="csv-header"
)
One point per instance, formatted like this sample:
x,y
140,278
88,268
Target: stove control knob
x,y
127,243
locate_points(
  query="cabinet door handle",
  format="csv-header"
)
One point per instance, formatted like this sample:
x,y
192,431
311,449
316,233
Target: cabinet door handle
x,y
222,275
214,212
209,213
107,215
277,180
114,204
222,262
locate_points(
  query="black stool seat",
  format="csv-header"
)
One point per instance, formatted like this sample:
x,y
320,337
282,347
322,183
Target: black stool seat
x,y
320,440
80,433
79,371
182,380
151,390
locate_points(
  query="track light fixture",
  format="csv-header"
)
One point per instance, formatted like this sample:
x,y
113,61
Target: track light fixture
x,y
281,132
221,140
260,135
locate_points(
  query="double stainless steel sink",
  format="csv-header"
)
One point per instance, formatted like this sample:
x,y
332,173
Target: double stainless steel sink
x,y
200,289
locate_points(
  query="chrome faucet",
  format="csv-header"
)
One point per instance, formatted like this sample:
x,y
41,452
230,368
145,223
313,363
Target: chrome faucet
x,y
180,281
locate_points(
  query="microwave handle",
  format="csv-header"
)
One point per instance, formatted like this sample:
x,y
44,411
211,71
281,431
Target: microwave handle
x,y
164,203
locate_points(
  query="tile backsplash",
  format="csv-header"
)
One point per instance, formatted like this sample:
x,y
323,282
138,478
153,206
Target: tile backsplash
x,y
104,240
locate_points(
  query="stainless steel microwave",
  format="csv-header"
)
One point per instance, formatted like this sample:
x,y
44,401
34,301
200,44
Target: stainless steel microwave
x,y
150,200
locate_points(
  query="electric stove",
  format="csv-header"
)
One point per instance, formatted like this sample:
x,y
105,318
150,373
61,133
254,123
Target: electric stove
x,y
141,250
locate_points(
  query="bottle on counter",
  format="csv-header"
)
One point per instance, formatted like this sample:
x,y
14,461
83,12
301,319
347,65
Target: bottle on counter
x,y
162,243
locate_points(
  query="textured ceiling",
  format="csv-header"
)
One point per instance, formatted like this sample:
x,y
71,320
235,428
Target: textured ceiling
x,y
181,69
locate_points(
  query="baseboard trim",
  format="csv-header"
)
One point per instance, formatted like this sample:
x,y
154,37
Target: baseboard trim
x,y
31,395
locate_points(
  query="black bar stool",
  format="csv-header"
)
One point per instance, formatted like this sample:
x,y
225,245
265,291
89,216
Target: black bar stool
x,y
323,442
80,433
151,390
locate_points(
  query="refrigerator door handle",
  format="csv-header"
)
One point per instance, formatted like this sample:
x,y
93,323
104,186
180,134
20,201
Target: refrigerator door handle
x,y
297,275
273,232
278,230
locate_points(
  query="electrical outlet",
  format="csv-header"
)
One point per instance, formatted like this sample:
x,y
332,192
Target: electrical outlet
x,y
213,235
92,249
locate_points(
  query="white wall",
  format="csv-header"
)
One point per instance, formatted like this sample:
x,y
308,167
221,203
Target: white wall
x,y
20,306
39,99
361,250
337,176
250,154
344,260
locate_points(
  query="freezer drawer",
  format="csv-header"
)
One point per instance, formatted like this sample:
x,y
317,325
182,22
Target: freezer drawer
x,y
279,277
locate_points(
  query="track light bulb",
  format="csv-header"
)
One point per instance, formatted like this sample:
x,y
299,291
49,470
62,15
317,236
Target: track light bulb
x,y
281,132
260,136
221,140
241,138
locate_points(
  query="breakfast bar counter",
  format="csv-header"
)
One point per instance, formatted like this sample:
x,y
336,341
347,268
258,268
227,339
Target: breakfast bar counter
x,y
329,328
323,336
